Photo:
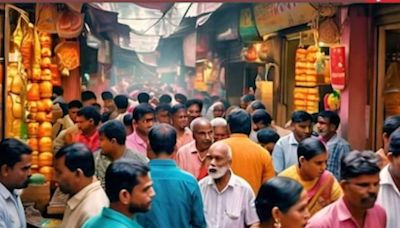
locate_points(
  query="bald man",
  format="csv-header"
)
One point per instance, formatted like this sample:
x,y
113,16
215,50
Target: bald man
x,y
228,199
191,157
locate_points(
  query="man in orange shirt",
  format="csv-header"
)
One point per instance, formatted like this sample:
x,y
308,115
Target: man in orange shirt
x,y
249,160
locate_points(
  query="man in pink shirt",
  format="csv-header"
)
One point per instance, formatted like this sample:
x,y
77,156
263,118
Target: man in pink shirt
x,y
87,120
357,208
192,156
143,117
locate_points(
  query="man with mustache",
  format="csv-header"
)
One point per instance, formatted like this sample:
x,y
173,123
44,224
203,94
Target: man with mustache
x,y
129,189
192,156
389,192
228,199
357,208
15,170
327,124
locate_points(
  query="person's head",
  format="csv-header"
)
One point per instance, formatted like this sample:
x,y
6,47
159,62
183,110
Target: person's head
x,y
58,91
327,123
194,107
312,157
162,139
112,135
88,98
179,116
301,125
218,109
122,103
394,154
202,133
15,163
88,118
165,99
143,114
128,123
143,97
389,126
245,100
97,106
360,179
239,121
267,139
255,105
163,113
128,184
73,108
108,101
180,98
74,168
261,119
220,128
282,201
230,109
220,157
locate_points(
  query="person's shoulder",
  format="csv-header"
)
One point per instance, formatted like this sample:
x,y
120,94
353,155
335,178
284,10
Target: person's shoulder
x,y
291,171
323,218
378,210
242,183
284,139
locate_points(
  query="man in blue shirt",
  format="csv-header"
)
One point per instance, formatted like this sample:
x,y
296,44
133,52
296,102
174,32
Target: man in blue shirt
x,y
15,170
129,189
178,202
328,123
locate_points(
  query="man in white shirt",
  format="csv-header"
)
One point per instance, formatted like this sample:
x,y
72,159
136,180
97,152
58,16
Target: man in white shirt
x,y
285,150
389,192
74,173
15,170
228,199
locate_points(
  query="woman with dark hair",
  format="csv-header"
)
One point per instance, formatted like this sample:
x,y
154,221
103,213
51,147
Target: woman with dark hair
x,y
282,202
321,186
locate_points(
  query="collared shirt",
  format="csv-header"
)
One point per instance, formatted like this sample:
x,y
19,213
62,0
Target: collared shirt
x,y
11,210
92,141
186,138
232,207
136,143
111,218
383,158
337,215
337,149
102,162
85,204
178,201
389,198
188,159
250,161
285,153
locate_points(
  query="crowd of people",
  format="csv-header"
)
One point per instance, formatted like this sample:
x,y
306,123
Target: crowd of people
x,y
172,162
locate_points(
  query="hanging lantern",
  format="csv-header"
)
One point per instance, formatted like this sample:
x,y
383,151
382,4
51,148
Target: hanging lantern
x,y
338,67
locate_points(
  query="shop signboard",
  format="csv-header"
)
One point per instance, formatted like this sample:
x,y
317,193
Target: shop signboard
x,y
247,27
272,17
338,67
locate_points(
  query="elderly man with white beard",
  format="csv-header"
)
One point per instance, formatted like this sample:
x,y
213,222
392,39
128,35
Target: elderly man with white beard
x,y
228,199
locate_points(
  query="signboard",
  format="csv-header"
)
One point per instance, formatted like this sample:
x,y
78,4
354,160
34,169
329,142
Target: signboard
x,y
247,28
271,17
338,67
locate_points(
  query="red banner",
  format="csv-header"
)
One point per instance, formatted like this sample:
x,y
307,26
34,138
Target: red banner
x,y
338,67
